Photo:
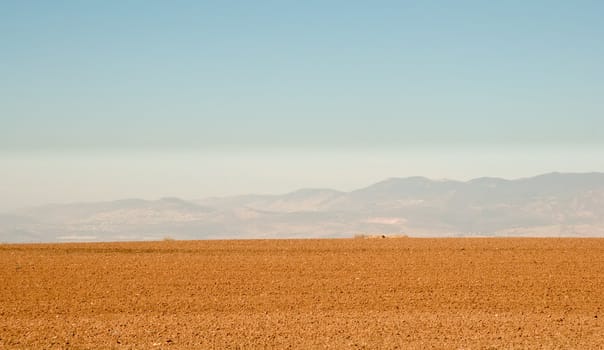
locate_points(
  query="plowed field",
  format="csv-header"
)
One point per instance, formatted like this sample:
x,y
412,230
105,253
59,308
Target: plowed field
x,y
351,293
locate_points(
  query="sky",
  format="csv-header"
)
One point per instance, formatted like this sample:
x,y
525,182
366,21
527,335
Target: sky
x,y
103,100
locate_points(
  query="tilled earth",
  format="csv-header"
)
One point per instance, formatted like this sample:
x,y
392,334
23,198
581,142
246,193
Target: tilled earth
x,y
402,293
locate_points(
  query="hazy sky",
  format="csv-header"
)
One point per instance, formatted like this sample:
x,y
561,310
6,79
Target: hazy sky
x,y
113,99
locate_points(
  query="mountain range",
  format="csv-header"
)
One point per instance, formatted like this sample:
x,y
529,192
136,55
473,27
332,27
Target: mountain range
x,y
555,204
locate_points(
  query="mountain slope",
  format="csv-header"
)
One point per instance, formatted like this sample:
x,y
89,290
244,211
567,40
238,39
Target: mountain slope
x,y
550,204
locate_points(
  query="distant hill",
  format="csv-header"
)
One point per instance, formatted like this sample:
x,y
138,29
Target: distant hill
x,y
553,204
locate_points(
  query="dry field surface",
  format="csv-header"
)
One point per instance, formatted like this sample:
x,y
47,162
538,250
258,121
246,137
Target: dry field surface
x,y
388,293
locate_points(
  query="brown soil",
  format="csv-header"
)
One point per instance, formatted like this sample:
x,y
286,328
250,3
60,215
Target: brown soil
x,y
351,293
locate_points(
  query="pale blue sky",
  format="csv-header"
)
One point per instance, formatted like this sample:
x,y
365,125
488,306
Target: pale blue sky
x,y
116,79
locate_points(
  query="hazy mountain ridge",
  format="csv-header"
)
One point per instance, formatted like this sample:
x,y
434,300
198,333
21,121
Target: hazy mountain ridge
x,y
552,204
